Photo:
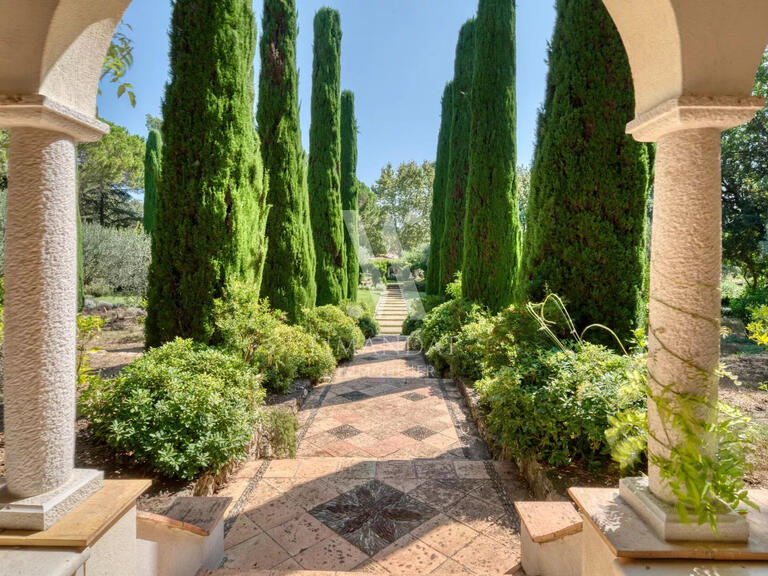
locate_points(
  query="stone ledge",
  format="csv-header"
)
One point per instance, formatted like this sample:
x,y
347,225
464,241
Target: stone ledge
x,y
86,524
548,521
627,535
43,511
41,112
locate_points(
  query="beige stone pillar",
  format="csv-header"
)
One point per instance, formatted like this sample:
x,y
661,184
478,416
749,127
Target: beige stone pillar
x,y
684,305
40,308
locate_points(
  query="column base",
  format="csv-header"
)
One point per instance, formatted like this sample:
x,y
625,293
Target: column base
x,y
665,521
44,510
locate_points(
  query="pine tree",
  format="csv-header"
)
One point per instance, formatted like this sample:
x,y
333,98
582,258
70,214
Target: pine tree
x,y
492,234
452,243
437,215
325,160
211,210
585,237
151,178
349,189
289,272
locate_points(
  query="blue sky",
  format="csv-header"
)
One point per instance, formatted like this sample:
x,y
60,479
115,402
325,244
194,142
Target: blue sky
x,y
397,56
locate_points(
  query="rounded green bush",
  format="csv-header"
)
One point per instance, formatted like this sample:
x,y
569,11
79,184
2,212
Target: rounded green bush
x,y
182,408
330,324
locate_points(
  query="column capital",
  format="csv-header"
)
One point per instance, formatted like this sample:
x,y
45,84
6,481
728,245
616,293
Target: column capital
x,y
41,112
694,113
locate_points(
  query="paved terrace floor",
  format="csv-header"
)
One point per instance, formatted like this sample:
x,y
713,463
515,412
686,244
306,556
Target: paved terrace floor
x,y
391,478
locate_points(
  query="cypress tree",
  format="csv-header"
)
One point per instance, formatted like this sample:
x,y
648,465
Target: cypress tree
x,y
325,160
585,238
151,178
492,232
349,189
437,216
452,243
211,210
289,272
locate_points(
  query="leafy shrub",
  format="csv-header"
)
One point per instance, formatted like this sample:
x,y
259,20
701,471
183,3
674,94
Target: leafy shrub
x,y
182,408
758,328
411,324
414,341
248,326
418,257
88,327
115,260
556,404
742,306
448,318
330,324
514,333
362,316
468,354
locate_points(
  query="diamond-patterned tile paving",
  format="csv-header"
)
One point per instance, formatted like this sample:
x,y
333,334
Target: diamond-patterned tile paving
x,y
419,432
391,479
344,431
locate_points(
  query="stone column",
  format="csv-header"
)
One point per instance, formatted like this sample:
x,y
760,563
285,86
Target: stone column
x,y
40,308
40,299
684,306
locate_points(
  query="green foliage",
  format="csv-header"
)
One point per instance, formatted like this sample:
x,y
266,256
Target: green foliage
x,y
325,160
404,195
745,191
555,405
515,336
248,327
349,189
280,428
362,316
182,408
492,235
411,324
586,231
330,324
750,298
152,175
118,61
108,171
88,327
371,220
211,211
115,261
447,319
758,328
452,243
439,187
289,271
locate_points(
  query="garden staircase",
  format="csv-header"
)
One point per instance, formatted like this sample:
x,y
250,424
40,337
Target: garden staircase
x,y
392,310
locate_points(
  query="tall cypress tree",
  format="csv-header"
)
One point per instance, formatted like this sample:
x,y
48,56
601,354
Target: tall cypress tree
x,y
289,272
452,243
585,238
152,159
437,215
325,160
211,210
349,189
492,232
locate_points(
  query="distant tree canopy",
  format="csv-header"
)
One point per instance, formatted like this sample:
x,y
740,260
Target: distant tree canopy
x,y
110,170
371,219
404,195
745,191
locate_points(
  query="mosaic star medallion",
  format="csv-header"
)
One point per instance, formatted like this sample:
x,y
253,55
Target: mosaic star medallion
x,y
419,433
343,432
373,516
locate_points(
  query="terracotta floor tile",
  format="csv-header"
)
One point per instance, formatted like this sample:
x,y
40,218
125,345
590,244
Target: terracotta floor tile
x,y
317,467
475,513
344,448
274,512
450,568
243,529
282,469
395,469
445,534
297,535
260,553
310,494
362,469
485,556
435,470
437,495
471,469
409,556
333,553
370,567
504,532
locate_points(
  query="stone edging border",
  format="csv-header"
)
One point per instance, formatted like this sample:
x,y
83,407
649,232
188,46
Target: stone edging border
x,y
245,495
